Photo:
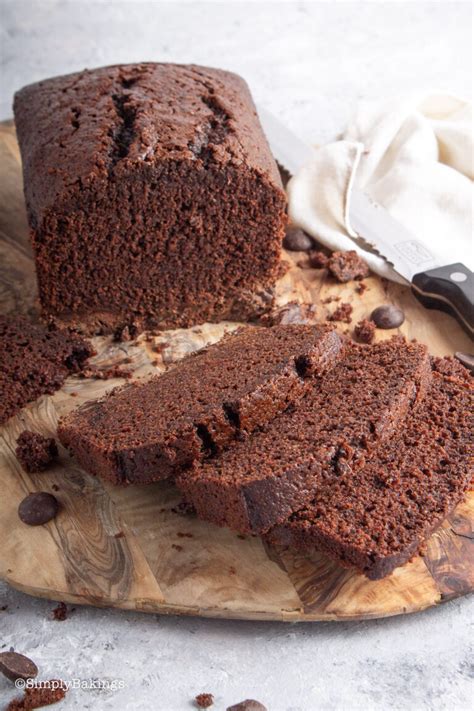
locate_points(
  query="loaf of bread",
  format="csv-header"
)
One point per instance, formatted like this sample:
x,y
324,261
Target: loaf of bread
x,y
151,195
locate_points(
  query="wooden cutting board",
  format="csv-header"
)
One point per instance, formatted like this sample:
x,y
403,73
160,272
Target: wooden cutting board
x,y
129,548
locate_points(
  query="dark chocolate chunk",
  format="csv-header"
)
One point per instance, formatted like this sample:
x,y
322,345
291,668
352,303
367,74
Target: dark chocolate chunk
x,y
247,705
38,508
387,316
35,452
467,359
16,666
296,240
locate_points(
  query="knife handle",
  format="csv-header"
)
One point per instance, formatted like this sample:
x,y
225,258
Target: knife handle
x,y
450,289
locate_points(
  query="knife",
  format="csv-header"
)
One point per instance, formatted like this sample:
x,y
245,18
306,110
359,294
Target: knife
x,y
449,287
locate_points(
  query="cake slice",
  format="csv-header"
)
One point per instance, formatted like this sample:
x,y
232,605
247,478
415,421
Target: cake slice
x,y
149,431
376,518
152,196
35,360
260,481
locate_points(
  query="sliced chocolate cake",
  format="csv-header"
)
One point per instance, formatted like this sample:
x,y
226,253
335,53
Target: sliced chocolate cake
x,y
152,196
260,481
376,518
35,360
151,430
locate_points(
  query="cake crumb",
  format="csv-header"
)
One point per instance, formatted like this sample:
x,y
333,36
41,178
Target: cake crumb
x,y
60,612
35,452
361,288
114,371
177,547
318,260
342,313
204,701
364,331
346,266
126,332
291,313
183,509
36,696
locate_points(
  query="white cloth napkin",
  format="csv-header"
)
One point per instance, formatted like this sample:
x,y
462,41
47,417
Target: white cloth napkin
x,y
415,157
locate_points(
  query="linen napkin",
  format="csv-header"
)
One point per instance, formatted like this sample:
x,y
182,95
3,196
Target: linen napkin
x,y
412,155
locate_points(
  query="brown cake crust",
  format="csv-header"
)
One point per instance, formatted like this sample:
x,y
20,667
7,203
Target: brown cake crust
x,y
35,360
343,417
376,519
151,195
149,431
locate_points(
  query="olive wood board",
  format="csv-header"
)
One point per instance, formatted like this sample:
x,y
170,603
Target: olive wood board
x,y
127,548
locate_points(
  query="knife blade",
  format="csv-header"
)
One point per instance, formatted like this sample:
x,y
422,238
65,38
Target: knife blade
x,y
437,285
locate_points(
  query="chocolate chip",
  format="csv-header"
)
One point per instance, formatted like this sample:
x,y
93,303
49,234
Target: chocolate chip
x,y
247,705
38,508
16,666
387,316
296,240
467,359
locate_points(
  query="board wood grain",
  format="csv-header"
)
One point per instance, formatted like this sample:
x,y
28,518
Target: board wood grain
x,y
131,548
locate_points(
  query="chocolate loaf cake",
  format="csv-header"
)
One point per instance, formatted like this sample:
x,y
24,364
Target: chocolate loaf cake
x,y
35,360
149,431
151,194
376,518
260,481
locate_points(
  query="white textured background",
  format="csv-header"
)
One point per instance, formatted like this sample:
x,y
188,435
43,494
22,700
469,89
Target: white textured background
x,y
308,62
